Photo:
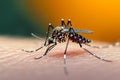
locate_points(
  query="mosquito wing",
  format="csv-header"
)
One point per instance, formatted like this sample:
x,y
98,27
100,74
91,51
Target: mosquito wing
x,y
84,31
80,31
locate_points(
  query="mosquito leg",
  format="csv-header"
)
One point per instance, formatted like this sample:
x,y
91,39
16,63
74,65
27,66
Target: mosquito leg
x,y
48,49
95,55
50,26
65,67
45,44
66,51
33,50
63,22
69,22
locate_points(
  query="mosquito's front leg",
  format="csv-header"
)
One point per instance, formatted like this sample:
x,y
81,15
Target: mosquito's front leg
x,y
33,50
48,32
48,49
45,43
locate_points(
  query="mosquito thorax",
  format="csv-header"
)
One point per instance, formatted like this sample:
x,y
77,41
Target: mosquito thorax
x,y
59,28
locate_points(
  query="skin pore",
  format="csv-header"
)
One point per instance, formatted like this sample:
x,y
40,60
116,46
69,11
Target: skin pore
x,y
19,65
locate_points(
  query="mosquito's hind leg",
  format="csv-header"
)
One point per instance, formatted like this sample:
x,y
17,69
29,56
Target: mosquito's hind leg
x,y
95,54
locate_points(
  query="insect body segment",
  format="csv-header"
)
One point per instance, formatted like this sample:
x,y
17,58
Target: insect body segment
x,y
59,34
74,37
64,33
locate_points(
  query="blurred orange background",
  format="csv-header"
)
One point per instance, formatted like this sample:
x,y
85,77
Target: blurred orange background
x,y
100,16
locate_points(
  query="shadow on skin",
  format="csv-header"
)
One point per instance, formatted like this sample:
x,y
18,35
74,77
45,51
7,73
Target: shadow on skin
x,y
70,53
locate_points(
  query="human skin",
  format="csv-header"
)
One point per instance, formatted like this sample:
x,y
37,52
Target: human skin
x,y
16,64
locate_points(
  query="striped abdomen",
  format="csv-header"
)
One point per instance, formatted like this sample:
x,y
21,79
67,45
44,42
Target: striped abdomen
x,y
78,38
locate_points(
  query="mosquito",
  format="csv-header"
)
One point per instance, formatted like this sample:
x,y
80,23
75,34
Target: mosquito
x,y
65,33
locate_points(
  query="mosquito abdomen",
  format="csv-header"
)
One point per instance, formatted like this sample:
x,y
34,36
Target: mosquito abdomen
x,y
78,38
